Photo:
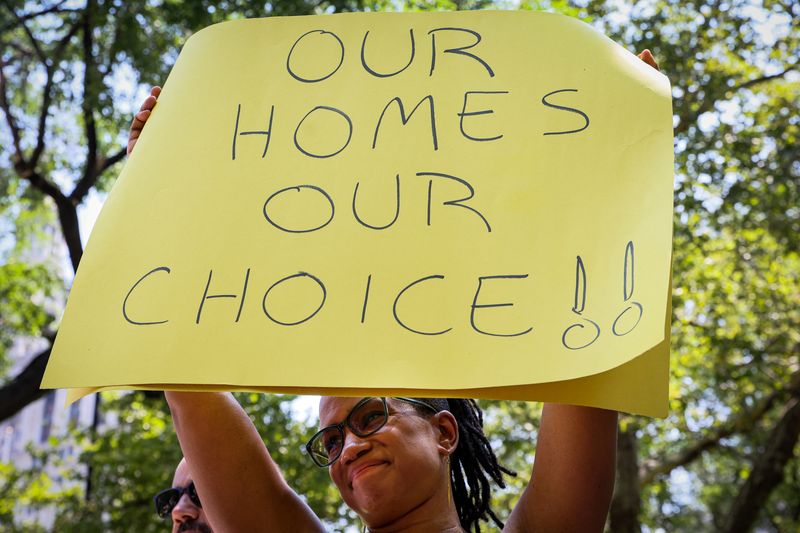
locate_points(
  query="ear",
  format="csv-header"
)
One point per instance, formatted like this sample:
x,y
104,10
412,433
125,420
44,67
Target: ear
x,y
446,424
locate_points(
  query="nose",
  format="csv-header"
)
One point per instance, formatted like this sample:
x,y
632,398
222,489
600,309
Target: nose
x,y
354,447
185,510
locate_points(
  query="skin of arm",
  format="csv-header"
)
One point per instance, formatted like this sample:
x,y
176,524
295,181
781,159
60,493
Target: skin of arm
x,y
240,485
573,472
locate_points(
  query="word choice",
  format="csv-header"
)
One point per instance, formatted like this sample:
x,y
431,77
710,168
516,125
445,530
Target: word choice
x,y
420,284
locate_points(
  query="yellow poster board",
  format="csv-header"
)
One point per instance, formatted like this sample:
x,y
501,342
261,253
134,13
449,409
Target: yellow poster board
x,y
474,204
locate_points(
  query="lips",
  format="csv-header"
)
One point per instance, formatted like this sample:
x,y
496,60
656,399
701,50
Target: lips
x,y
364,467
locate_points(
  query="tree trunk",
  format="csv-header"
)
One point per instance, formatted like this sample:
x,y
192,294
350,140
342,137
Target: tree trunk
x,y
24,388
767,471
626,503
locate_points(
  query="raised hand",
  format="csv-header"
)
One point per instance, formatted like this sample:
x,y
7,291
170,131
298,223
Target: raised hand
x,y
648,58
141,117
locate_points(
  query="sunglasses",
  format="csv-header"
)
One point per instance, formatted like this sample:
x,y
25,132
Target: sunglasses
x,y
166,500
366,418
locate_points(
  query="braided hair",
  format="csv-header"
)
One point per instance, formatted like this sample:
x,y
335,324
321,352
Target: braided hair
x,y
472,464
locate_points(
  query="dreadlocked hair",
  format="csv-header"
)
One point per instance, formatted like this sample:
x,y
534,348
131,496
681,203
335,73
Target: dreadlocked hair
x,y
472,464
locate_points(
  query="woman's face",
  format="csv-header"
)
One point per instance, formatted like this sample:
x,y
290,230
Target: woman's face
x,y
387,474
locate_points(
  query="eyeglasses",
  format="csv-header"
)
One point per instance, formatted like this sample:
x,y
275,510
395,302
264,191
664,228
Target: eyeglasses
x,y
166,500
366,418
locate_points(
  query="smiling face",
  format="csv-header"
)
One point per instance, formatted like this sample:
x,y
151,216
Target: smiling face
x,y
395,470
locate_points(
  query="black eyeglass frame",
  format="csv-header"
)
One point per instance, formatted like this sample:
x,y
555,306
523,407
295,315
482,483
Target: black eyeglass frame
x,y
188,489
346,423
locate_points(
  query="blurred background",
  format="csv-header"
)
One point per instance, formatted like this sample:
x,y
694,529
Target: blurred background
x,y
72,74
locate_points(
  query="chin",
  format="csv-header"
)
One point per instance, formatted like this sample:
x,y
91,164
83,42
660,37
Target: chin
x,y
369,498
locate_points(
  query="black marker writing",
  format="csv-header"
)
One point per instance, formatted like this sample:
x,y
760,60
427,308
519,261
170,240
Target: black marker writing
x,y
298,189
366,298
207,296
461,50
397,300
125,301
580,287
464,113
267,133
405,118
458,202
332,110
396,210
627,294
336,41
388,75
578,306
287,278
564,108
476,305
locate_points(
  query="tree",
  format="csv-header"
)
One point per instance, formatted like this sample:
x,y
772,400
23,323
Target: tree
x,y
735,325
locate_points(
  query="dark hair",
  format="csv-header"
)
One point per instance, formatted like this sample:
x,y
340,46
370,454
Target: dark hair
x,y
472,464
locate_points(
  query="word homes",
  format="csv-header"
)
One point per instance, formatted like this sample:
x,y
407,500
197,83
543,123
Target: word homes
x,y
338,126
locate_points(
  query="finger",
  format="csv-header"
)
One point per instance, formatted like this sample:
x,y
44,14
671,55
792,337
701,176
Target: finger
x,y
131,144
155,91
148,103
139,119
648,58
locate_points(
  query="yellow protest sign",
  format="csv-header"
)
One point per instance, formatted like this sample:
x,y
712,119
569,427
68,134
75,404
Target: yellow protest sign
x,y
476,203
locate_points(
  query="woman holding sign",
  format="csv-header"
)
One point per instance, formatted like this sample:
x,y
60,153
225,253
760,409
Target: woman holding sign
x,y
402,464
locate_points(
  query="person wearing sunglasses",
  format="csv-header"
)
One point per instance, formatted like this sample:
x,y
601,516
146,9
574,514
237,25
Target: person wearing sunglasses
x,y
410,465
181,504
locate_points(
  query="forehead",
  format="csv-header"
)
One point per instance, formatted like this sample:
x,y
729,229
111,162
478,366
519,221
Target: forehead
x,y
182,476
333,409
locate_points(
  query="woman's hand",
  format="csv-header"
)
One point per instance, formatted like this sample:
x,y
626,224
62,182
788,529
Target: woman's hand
x,y
648,58
141,117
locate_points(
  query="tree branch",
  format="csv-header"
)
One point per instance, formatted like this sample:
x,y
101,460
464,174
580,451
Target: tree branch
x,y
767,471
47,95
39,183
90,169
21,50
28,16
86,183
67,214
746,420
764,79
708,103
24,388
70,228
113,160
10,120
34,42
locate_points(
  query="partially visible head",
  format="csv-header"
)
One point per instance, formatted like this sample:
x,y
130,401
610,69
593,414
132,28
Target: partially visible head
x,y
182,503
427,447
